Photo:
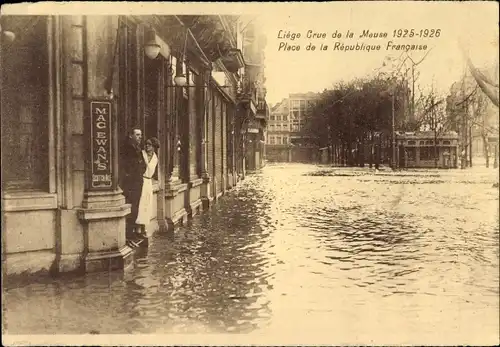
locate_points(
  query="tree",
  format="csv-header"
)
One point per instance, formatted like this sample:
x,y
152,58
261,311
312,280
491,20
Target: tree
x,y
467,108
405,69
348,116
434,119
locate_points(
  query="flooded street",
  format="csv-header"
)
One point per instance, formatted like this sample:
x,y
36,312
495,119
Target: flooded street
x,y
353,255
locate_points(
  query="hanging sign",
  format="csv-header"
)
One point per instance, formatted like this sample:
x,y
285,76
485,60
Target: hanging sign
x,y
100,133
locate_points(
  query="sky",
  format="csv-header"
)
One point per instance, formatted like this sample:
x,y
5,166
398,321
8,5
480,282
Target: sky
x,y
476,24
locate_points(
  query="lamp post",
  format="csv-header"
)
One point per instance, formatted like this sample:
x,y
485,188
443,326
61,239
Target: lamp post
x,y
393,161
495,163
393,120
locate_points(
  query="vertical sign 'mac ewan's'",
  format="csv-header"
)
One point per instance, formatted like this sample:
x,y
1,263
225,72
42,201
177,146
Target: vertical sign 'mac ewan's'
x,y
100,133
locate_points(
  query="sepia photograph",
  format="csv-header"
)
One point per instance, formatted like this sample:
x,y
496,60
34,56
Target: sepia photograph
x,y
250,173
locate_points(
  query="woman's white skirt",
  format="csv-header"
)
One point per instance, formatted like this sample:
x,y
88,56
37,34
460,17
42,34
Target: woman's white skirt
x,y
145,212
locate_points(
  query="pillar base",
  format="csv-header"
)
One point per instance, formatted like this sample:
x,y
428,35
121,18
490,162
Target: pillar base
x,y
206,191
230,181
103,216
206,202
175,209
194,208
109,261
179,218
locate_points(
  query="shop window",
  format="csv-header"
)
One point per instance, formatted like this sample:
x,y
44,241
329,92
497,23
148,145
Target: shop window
x,y
175,107
152,70
182,113
193,122
25,103
412,143
229,142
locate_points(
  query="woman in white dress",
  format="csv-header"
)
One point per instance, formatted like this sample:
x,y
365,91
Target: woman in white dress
x,y
145,211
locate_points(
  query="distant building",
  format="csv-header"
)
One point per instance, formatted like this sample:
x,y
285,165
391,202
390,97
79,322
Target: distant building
x,y
278,133
284,141
253,87
299,106
422,150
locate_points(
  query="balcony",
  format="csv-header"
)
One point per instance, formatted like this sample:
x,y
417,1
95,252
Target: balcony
x,y
214,36
233,60
262,109
247,94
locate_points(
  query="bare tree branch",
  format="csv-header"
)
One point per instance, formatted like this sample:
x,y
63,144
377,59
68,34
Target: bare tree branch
x,y
467,97
421,60
493,97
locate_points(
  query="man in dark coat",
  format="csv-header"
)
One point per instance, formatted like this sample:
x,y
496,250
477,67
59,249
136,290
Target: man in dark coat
x,y
132,167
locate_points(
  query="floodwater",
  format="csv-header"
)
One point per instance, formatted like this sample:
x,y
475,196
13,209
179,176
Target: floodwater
x,y
351,255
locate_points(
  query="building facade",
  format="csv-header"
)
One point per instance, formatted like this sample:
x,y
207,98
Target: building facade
x,y
284,142
253,91
278,146
72,86
427,150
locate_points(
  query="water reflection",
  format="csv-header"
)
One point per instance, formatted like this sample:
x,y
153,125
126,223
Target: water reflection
x,y
350,254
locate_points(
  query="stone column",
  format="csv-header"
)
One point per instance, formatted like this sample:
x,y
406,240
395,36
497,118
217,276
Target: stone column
x,y
103,209
162,158
223,139
206,185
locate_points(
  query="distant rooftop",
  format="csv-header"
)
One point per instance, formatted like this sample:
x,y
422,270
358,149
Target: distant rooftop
x,y
275,107
308,95
427,135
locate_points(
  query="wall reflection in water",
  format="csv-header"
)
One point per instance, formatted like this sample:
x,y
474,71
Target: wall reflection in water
x,y
210,276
